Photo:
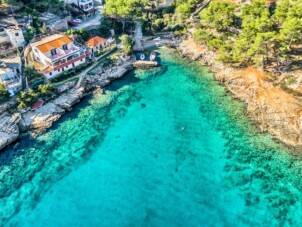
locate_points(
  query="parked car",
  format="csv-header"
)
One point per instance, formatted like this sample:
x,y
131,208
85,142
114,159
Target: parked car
x,y
77,21
71,23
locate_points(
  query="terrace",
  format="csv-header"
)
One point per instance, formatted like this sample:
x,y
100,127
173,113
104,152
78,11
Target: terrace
x,y
60,53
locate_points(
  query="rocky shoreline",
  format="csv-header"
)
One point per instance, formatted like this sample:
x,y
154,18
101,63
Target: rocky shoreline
x,y
272,109
38,121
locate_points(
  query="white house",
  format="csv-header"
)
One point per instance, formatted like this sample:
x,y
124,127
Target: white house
x,y
97,43
55,54
10,74
12,35
86,6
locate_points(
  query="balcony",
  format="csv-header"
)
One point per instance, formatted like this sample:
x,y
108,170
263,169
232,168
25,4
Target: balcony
x,y
69,62
63,53
86,5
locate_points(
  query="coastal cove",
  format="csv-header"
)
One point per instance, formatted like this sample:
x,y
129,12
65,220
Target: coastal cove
x,y
162,147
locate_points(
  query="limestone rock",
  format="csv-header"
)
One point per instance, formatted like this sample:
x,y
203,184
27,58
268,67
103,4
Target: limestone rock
x,y
41,118
9,130
67,100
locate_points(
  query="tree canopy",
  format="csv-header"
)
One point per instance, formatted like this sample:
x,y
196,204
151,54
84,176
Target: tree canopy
x,y
124,9
219,15
126,44
251,33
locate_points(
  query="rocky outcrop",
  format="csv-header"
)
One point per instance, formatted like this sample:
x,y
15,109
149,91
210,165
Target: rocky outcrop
x,y
6,106
67,100
100,78
9,130
268,105
39,120
144,64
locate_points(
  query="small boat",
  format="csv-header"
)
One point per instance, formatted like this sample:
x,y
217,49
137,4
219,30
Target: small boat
x,y
152,56
142,57
37,105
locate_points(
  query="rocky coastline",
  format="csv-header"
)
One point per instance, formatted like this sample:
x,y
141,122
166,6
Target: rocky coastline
x,y
38,121
271,108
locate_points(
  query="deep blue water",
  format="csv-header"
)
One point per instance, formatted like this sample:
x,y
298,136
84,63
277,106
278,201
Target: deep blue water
x,y
166,147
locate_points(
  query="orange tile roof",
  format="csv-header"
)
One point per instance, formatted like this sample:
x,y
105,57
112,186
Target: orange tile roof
x,y
94,41
56,43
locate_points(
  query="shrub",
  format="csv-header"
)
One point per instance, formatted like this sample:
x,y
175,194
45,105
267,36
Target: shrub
x,y
126,44
27,99
4,94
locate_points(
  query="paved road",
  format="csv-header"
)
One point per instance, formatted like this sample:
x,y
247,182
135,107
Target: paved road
x,y
93,21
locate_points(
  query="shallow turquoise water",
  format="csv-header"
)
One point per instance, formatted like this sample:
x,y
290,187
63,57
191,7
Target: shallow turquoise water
x,y
162,148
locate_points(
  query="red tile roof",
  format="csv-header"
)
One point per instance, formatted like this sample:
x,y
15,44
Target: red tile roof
x,y
95,41
56,43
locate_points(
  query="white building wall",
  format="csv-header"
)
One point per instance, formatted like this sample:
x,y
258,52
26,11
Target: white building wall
x,y
15,36
39,56
55,73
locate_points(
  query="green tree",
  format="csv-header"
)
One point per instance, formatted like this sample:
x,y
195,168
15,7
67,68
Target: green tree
x,y
256,39
26,99
4,94
219,15
45,90
184,10
289,18
122,10
126,44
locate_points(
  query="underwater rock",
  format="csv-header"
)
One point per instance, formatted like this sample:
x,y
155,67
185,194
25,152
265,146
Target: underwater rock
x,y
272,109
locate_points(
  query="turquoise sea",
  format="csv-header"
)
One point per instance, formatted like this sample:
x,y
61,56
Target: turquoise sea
x,y
166,147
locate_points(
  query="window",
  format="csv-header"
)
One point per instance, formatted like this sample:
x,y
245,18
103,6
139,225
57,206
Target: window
x,y
65,47
58,70
73,65
82,59
53,52
50,73
66,66
17,34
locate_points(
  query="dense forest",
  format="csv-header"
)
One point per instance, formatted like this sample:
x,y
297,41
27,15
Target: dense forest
x,y
242,34
253,34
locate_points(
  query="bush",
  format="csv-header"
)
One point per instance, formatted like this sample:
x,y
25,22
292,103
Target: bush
x,y
105,27
27,99
126,44
158,24
82,35
4,94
